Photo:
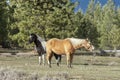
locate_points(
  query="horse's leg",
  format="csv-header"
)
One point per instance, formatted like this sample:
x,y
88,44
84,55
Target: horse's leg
x,y
43,59
58,58
40,59
49,56
49,60
71,59
68,60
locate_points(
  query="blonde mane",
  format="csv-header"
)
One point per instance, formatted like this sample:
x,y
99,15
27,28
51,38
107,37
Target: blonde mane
x,y
76,42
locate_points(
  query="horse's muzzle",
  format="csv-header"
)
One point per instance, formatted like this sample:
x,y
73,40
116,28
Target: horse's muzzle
x,y
91,48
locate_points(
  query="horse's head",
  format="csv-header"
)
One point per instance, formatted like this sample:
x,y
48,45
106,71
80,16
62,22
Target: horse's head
x,y
88,45
32,38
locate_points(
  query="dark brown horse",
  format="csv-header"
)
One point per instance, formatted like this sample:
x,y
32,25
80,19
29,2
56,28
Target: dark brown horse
x,y
66,47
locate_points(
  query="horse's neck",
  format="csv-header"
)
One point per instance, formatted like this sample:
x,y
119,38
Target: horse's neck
x,y
77,43
37,43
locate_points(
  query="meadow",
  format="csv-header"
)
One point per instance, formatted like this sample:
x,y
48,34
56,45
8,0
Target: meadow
x,y
83,67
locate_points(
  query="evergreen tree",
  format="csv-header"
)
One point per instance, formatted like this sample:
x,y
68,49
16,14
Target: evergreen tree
x,y
4,23
47,18
89,24
98,16
107,24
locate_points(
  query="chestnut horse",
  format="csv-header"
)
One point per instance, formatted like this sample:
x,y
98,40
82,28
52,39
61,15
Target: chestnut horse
x,y
66,47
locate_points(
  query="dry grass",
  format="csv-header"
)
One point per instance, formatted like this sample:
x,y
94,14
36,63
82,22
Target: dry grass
x,y
12,74
84,68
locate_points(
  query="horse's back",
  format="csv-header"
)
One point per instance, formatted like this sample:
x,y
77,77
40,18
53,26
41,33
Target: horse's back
x,y
54,42
57,42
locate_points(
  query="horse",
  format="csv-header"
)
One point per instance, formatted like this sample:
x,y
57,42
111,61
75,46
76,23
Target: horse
x,y
40,47
66,47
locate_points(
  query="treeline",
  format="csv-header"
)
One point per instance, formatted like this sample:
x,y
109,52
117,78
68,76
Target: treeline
x,y
57,19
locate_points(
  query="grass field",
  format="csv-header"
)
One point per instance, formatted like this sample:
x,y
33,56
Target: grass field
x,y
84,67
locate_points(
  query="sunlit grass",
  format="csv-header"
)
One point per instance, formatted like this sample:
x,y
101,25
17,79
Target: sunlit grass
x,y
84,67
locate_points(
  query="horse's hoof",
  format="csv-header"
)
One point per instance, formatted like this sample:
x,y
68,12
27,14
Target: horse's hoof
x,y
49,66
39,63
57,64
69,66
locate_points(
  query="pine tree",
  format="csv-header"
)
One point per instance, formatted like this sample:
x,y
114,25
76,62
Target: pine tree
x,y
47,18
107,24
89,26
4,23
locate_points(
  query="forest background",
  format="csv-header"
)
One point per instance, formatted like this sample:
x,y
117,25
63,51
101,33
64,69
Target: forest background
x,y
58,19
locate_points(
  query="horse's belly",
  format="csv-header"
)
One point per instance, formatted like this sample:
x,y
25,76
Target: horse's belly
x,y
58,51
